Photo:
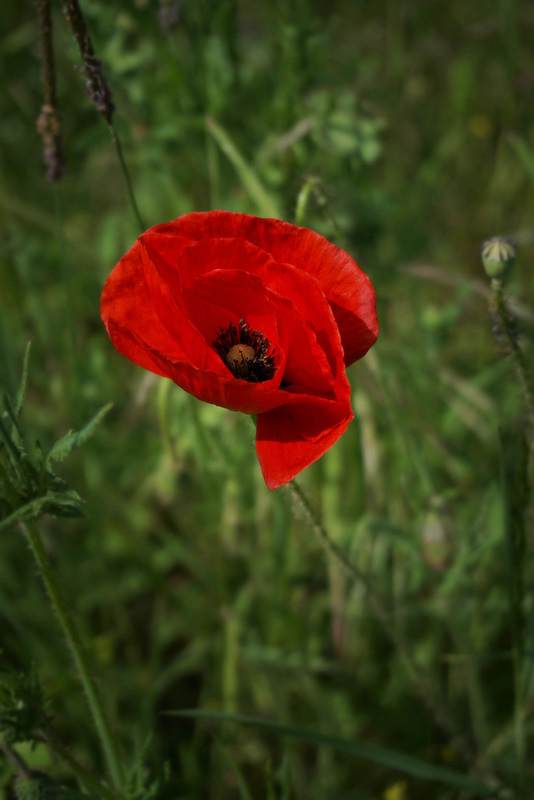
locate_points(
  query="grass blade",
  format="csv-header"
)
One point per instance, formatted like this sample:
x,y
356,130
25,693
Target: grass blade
x,y
392,759
266,205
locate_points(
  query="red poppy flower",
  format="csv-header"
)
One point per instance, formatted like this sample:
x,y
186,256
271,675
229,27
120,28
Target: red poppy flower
x,y
255,315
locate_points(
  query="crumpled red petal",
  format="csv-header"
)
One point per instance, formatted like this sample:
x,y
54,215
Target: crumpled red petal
x,y
291,437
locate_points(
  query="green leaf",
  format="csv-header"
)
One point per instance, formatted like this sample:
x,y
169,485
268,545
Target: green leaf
x,y
392,759
64,446
64,508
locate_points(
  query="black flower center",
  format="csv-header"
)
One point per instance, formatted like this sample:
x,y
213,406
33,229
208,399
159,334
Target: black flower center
x,y
245,352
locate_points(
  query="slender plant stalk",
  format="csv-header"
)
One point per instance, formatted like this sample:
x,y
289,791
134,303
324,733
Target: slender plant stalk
x,y
69,298
515,503
507,329
419,682
74,641
126,174
97,88
49,124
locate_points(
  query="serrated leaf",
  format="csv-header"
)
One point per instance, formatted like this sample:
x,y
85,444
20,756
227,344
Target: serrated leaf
x,y
56,484
393,759
62,448
64,509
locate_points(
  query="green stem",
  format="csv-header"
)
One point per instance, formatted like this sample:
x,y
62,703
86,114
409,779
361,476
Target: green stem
x,y
507,327
519,720
69,307
419,682
77,651
514,534
129,187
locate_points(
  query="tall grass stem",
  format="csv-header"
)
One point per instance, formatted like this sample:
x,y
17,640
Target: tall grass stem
x,y
507,328
418,681
77,650
126,174
69,297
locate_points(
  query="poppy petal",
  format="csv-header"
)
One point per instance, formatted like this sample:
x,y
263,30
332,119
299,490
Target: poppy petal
x,y
291,437
126,300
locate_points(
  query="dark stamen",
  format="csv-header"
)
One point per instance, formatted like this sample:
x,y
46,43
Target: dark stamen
x,y
246,352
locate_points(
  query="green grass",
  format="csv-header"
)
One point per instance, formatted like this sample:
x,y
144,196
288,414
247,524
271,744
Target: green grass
x,y
404,133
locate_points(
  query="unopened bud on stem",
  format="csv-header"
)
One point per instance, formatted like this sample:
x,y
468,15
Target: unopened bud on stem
x,y
498,257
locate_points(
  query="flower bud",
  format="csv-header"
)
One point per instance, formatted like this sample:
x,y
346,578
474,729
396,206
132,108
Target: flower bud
x,y
498,257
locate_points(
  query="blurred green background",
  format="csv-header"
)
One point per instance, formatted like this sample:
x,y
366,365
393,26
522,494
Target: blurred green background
x,y
411,125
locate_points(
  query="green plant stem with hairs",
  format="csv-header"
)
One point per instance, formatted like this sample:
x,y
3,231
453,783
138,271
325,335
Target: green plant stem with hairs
x,y
418,681
506,333
507,329
77,650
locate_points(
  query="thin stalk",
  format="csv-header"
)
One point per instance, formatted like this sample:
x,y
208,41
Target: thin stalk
x,y
77,651
69,296
507,328
97,88
49,123
514,509
126,174
519,720
419,683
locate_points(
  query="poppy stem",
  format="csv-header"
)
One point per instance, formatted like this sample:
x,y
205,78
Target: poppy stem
x,y
77,650
421,686
506,332
126,174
